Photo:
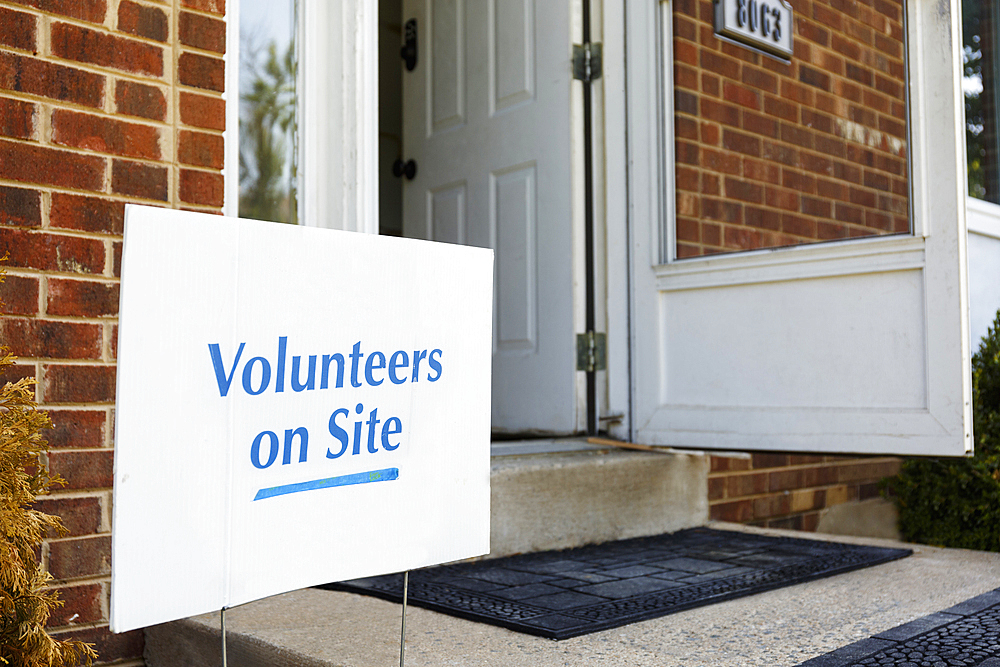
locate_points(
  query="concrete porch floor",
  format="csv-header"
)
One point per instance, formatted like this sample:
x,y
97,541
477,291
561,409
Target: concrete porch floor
x,y
313,628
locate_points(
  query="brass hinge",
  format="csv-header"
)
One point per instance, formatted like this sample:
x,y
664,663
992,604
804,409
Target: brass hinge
x,y
591,352
587,62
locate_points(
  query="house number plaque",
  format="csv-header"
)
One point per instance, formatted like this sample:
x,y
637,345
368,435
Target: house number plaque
x,y
760,24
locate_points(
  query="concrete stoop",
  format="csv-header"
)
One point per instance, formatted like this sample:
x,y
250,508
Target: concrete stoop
x,y
545,494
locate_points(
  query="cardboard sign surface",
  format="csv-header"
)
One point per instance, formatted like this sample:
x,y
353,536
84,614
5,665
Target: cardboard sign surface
x,y
295,406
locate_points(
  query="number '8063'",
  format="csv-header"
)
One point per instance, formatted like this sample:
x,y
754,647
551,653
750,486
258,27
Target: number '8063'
x,y
759,17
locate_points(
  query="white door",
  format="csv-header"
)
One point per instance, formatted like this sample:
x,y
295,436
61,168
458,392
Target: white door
x,y
855,346
487,114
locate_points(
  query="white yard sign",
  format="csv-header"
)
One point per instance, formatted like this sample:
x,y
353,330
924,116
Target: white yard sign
x,y
295,406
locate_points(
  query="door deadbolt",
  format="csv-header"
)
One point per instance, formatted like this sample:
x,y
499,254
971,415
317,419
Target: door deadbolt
x,y
408,168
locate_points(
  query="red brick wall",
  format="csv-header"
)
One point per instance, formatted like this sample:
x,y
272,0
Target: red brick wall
x,y
102,102
774,154
776,490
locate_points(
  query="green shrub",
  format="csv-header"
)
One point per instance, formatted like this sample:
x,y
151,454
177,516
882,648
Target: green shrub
x,y
956,502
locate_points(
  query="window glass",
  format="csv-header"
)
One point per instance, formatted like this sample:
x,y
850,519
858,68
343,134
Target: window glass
x,y
979,28
268,114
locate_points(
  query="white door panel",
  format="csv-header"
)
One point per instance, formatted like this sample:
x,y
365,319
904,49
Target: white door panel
x,y
487,119
855,346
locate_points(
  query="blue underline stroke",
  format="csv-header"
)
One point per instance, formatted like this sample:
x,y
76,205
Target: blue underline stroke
x,y
384,475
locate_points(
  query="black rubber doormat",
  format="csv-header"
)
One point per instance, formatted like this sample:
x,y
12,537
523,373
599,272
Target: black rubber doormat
x,y
563,594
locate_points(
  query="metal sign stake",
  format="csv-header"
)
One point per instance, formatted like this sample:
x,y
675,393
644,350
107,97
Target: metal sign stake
x,y
402,631
222,615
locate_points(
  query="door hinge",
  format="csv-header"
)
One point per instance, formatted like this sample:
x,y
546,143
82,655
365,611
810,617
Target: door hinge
x,y
591,352
587,62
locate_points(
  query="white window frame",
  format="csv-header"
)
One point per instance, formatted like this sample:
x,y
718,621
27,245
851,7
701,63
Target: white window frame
x,y
338,114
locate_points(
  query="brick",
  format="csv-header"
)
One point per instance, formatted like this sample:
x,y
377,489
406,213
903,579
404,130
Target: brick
x,y
685,52
686,178
19,295
827,231
782,480
136,99
739,511
888,45
760,79
741,95
143,21
87,214
760,218
82,604
82,298
147,181
110,647
786,155
746,485
720,64
80,516
783,109
716,488
798,181
710,84
787,200
23,74
744,191
893,127
54,340
211,6
722,162
38,164
818,207
117,259
685,250
79,384
686,153
711,234
86,10
685,77
194,69
83,469
828,17
202,32
17,29
17,118
77,428
684,127
814,78
685,102
797,92
721,210
202,111
864,198
686,228
814,33
208,150
105,134
798,226
810,521
52,252
83,45
20,207
718,112
761,171
797,135
761,460
817,121
771,506
80,557
710,184
741,143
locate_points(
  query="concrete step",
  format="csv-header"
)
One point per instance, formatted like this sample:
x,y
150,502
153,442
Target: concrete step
x,y
779,628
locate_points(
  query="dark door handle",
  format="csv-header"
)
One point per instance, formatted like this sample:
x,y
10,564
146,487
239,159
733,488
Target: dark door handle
x,y
408,168
409,50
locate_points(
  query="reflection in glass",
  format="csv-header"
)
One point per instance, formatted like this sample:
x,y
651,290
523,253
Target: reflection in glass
x,y
979,27
268,120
